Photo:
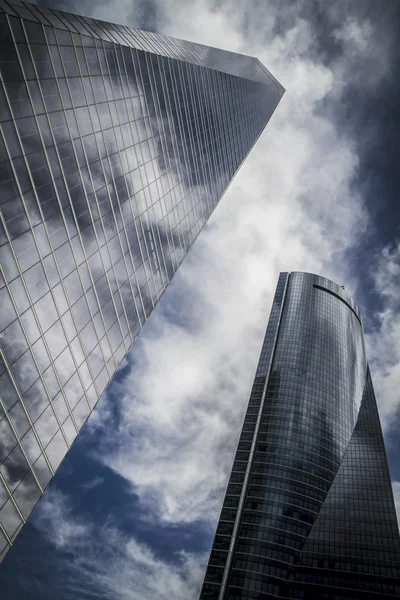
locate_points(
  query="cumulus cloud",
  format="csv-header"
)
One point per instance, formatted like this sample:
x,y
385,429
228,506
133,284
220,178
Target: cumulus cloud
x,y
356,35
54,518
383,342
107,563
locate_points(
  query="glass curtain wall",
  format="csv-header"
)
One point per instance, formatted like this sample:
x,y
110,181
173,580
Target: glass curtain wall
x,y
116,145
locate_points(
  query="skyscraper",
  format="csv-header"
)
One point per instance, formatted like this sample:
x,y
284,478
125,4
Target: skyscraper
x,y
309,510
116,145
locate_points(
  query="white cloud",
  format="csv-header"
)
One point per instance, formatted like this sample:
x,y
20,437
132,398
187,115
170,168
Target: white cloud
x,y
383,342
53,517
93,483
108,563
356,35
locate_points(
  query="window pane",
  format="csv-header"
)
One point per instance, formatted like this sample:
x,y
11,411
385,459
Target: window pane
x,y
46,311
36,281
27,494
69,429
13,342
31,446
19,295
36,400
56,450
81,412
65,366
25,371
8,263
14,468
7,439
46,426
7,312
31,328
41,355
25,250
55,339
10,518
42,471
15,217
61,407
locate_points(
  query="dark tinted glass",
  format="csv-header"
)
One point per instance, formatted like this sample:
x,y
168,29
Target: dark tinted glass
x,y
309,510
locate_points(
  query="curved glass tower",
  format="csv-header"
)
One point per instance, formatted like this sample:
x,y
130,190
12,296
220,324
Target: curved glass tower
x,y
309,510
116,145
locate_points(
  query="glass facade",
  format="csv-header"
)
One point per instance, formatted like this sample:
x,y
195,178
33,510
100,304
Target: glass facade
x,y
309,510
115,147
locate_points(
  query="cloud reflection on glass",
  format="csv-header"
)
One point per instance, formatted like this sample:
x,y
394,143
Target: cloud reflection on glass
x,y
116,146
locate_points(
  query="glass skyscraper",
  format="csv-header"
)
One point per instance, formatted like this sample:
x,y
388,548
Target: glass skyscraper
x,y
116,145
309,510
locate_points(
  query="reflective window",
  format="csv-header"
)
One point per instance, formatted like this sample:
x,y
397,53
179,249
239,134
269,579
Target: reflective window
x,y
27,494
112,158
311,411
10,518
56,450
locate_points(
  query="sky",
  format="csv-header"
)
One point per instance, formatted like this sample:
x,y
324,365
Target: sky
x,y
132,512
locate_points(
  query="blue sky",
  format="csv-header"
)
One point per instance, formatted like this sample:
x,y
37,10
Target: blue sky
x,y
132,511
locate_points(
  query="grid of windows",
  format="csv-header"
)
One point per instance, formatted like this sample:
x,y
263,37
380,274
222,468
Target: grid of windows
x,y
115,147
309,510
